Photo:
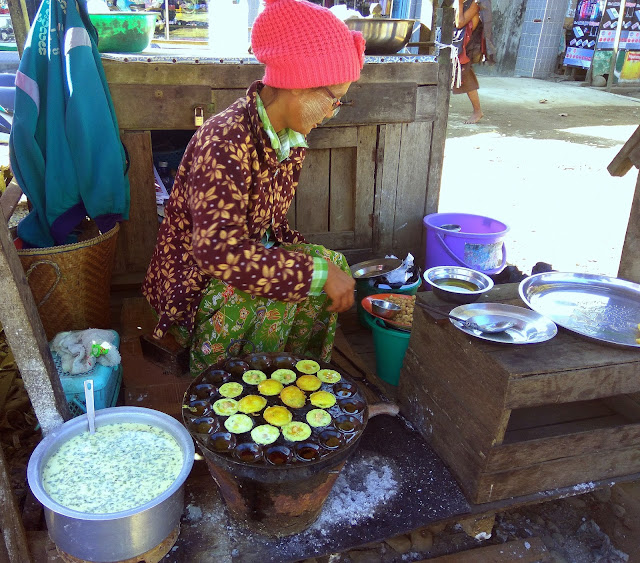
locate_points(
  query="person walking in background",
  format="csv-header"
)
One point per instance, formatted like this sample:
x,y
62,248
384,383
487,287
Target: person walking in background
x,y
467,37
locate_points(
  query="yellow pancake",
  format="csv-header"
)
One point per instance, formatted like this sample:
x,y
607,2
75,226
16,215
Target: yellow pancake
x,y
308,383
251,403
322,399
293,397
278,416
270,387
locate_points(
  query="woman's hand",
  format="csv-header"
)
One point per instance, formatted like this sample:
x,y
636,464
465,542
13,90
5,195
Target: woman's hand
x,y
339,288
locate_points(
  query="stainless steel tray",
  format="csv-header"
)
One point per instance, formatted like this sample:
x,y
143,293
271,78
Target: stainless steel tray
x,y
530,327
598,307
374,268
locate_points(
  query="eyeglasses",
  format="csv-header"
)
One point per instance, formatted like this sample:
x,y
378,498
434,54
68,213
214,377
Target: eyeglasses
x,y
337,102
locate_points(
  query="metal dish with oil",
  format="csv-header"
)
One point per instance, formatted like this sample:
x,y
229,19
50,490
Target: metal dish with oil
x,y
530,327
456,284
597,307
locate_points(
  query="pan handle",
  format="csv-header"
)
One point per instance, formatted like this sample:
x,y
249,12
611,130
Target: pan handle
x,y
383,408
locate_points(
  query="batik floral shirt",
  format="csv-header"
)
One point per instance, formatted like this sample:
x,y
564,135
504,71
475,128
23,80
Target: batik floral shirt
x,y
229,189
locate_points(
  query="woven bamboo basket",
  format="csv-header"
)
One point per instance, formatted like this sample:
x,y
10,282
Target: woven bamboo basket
x,y
71,283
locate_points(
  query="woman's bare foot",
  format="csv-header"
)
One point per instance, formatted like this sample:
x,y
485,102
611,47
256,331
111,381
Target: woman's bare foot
x,y
475,117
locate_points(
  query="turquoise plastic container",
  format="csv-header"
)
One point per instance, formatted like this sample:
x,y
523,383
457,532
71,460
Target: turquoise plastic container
x,y
390,346
106,384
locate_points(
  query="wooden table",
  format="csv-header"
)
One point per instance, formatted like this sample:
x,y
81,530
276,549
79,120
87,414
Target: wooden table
x,y
517,420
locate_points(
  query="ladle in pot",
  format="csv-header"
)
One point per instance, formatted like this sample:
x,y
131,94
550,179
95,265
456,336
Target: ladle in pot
x,y
489,324
91,411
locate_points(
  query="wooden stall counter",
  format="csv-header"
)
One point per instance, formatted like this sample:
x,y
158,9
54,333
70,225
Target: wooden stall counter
x,y
369,176
517,420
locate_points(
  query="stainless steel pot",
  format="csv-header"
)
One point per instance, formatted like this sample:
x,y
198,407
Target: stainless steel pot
x,y
121,535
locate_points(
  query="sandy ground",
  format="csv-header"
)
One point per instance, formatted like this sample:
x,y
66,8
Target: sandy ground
x,y
537,161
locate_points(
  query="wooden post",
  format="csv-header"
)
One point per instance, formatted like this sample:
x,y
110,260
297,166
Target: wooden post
x,y
15,538
446,17
625,160
26,337
20,22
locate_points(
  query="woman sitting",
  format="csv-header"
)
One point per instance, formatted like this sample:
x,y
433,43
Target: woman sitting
x,y
226,264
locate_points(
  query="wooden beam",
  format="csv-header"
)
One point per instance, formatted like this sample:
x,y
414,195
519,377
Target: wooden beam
x,y
20,22
15,537
9,199
166,106
525,551
27,339
137,237
629,268
443,96
623,161
242,75
365,185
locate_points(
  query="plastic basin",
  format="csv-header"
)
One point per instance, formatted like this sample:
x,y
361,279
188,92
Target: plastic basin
x,y
124,32
390,346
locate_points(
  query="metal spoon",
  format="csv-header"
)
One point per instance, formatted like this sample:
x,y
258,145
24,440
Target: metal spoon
x,y
489,324
91,411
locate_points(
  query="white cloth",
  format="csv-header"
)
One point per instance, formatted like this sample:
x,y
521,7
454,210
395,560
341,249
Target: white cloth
x,y
456,70
80,350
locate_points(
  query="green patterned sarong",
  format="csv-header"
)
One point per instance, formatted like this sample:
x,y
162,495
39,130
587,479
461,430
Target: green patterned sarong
x,y
225,314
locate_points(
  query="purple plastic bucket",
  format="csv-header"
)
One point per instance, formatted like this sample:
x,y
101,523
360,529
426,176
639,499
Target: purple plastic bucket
x,y
462,239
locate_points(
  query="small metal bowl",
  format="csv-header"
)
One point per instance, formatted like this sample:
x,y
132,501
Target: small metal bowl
x,y
455,284
384,309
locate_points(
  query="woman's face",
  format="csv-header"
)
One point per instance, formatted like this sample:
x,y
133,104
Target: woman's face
x,y
312,106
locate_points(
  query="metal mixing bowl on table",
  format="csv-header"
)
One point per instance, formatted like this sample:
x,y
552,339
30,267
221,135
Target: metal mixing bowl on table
x,y
456,284
383,36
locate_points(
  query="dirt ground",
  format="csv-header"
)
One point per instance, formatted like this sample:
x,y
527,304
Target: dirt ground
x,y
537,161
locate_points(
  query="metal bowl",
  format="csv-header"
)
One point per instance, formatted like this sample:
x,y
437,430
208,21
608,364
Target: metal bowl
x,y
456,284
375,268
383,36
384,309
120,535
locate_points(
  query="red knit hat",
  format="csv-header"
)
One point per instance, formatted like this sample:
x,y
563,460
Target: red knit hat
x,y
305,46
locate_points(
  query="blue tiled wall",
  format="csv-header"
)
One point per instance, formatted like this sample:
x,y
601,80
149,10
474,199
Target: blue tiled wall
x,y
541,35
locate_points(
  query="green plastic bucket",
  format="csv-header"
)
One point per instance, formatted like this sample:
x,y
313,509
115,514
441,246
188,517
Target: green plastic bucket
x,y
390,346
124,32
364,289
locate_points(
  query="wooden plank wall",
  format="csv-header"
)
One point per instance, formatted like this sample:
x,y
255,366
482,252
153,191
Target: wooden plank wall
x,y
368,180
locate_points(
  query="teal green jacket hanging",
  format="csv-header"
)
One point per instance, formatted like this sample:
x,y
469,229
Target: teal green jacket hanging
x,y
65,147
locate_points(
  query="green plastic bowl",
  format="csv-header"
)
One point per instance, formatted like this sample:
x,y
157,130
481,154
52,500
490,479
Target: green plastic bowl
x,y
124,32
